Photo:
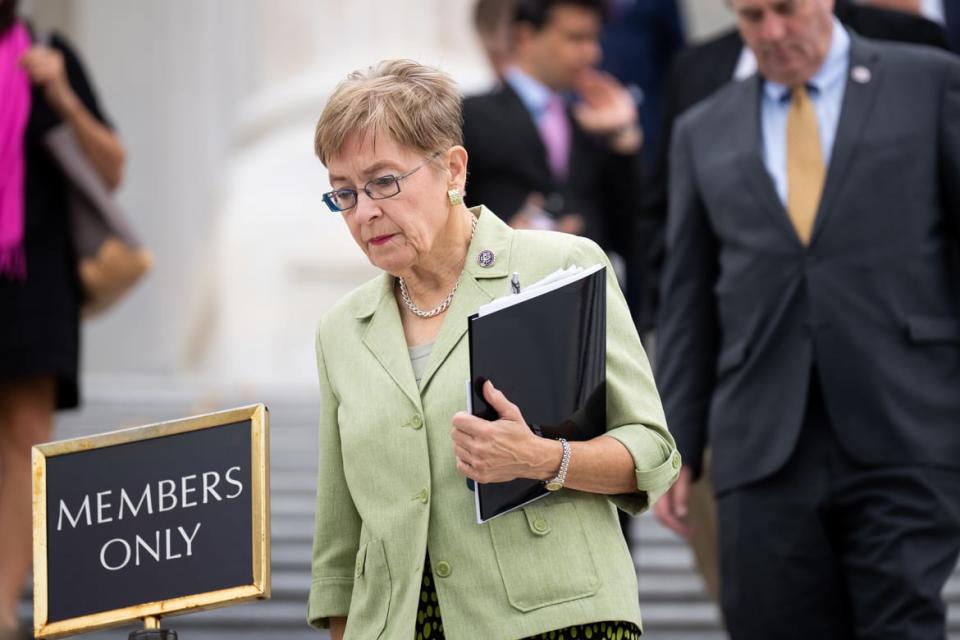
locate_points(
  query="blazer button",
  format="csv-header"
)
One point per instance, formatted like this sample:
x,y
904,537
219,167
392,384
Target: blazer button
x,y
416,422
676,460
443,569
423,496
540,525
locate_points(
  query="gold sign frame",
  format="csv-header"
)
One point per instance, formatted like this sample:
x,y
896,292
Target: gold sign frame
x,y
258,415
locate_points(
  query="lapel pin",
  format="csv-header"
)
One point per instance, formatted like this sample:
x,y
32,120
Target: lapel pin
x,y
486,258
861,74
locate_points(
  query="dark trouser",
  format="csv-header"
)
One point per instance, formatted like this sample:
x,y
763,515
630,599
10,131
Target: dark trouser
x,y
829,548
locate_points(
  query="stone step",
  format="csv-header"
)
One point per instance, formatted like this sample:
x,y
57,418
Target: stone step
x,y
672,596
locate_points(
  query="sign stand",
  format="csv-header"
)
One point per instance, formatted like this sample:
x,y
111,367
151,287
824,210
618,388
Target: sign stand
x,y
152,631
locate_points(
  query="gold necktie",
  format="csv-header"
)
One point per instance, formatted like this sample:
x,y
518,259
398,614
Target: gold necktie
x,y
805,167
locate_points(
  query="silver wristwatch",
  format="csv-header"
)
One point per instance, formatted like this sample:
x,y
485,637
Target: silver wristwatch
x,y
557,482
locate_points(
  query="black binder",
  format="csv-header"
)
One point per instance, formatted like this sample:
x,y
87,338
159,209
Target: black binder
x,y
547,354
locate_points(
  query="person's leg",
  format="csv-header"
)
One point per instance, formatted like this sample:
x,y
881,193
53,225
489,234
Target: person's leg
x,y
902,540
780,576
26,418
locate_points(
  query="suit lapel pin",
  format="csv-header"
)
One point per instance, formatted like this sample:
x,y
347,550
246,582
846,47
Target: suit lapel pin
x,y
486,258
861,74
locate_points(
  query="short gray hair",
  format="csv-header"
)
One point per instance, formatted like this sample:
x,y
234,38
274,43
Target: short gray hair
x,y
417,106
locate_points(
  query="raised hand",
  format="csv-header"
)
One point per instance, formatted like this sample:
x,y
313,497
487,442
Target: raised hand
x,y
607,109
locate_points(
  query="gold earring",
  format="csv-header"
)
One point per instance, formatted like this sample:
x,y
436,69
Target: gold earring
x,y
453,195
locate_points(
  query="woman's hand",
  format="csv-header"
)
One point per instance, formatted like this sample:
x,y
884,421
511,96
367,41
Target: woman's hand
x,y
503,449
46,68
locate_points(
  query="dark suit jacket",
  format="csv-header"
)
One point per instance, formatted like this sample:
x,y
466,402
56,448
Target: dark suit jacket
x,y
697,73
873,302
508,162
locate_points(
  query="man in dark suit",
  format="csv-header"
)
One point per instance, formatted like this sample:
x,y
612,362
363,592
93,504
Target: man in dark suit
x,y
701,70
810,325
538,160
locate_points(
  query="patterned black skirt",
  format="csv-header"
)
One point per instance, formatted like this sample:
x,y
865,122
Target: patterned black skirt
x,y
429,625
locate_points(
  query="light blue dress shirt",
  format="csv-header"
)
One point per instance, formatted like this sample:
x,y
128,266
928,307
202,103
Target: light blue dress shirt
x,y
827,87
533,94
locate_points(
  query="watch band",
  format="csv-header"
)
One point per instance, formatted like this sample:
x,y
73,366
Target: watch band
x,y
557,482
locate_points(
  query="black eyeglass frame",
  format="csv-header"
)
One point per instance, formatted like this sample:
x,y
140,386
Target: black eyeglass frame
x,y
328,197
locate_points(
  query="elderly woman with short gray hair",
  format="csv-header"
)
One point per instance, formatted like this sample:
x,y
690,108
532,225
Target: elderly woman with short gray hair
x,y
397,551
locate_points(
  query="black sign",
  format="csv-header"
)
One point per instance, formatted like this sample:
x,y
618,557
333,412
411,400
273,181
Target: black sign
x,y
154,519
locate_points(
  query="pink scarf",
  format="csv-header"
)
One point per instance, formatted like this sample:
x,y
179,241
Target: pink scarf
x,y
14,113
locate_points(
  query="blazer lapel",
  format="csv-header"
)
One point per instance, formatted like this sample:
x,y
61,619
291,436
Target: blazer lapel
x,y
384,338
478,285
747,124
858,100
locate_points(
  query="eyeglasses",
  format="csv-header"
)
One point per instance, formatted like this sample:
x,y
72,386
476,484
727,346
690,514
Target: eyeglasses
x,y
380,188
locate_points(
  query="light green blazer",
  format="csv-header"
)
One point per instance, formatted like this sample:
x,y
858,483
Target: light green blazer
x,y
388,490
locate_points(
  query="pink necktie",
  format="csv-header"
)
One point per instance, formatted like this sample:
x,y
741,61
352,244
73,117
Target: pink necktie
x,y
555,132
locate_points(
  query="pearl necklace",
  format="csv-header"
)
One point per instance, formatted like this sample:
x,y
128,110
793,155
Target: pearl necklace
x,y
440,308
